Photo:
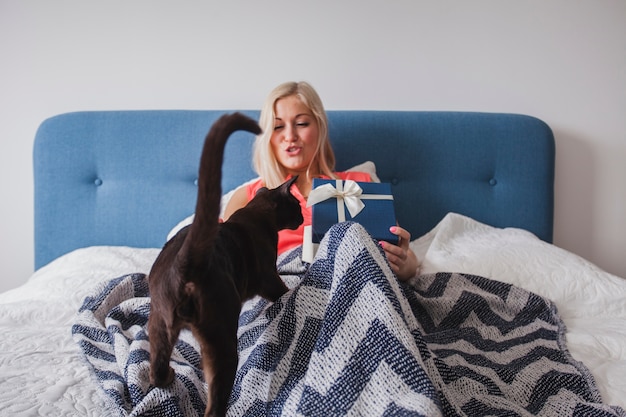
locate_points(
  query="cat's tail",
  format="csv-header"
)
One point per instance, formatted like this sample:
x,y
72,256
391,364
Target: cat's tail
x,y
203,229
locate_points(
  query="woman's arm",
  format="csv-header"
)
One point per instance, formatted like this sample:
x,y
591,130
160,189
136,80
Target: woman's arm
x,y
237,201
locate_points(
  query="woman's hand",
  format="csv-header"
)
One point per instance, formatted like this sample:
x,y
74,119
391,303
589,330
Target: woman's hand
x,y
403,261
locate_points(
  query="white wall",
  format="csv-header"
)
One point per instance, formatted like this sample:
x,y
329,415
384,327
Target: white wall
x,y
561,61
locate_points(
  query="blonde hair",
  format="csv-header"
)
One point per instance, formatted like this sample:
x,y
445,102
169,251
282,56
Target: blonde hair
x,y
264,160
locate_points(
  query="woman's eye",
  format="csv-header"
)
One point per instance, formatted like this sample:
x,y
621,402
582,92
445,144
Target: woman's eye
x,y
303,124
278,127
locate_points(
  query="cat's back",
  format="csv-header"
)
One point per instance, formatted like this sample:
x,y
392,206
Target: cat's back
x,y
166,258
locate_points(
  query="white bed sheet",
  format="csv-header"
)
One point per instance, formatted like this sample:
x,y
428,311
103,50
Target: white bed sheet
x,y
42,371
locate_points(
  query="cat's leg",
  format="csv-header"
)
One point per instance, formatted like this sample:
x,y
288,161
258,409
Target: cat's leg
x,y
219,363
161,346
273,286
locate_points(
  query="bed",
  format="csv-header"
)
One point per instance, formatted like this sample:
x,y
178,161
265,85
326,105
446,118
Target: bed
x,y
475,190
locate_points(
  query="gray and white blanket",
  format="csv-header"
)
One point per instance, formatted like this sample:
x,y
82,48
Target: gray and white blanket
x,y
349,339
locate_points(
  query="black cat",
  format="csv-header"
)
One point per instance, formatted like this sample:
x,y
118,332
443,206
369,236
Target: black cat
x,y
205,272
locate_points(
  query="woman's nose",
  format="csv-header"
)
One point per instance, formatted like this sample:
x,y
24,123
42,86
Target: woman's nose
x,y
290,133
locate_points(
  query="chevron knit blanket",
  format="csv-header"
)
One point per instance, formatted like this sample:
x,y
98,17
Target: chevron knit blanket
x,y
349,339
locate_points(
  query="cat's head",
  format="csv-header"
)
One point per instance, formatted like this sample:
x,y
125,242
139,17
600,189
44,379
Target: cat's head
x,y
286,206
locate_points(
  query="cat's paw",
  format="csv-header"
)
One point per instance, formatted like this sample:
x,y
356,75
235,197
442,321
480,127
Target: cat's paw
x,y
162,379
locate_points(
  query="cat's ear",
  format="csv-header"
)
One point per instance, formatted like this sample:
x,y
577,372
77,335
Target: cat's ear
x,y
290,182
261,190
285,187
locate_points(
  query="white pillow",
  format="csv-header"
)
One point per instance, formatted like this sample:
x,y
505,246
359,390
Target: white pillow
x,y
518,257
367,167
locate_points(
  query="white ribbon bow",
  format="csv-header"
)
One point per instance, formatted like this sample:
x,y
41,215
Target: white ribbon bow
x,y
348,192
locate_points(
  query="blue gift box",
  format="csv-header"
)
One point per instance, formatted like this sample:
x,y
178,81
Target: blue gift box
x,y
377,213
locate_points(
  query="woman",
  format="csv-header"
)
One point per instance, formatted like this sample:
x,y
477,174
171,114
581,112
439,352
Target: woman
x,y
295,142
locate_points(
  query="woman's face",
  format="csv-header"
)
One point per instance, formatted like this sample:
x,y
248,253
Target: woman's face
x,y
295,136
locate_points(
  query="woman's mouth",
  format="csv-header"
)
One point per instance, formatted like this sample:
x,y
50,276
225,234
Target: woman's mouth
x,y
293,150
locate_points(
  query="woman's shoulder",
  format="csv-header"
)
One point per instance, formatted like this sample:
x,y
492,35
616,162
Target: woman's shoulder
x,y
253,186
239,197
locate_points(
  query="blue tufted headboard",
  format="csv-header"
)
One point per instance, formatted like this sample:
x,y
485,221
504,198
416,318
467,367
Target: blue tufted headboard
x,y
127,177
